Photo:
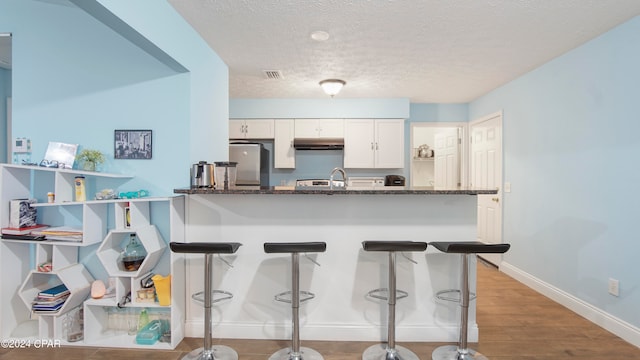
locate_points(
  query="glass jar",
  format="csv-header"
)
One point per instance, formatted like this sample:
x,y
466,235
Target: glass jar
x,y
133,254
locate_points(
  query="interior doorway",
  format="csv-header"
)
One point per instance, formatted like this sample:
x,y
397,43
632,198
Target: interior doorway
x,y
444,163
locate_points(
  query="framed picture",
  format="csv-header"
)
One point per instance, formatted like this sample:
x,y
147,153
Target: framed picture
x,y
132,144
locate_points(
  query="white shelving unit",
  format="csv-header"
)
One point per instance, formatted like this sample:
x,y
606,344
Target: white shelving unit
x,y
155,220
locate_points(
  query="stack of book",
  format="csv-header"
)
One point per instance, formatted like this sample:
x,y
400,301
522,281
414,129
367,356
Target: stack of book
x,y
50,300
61,233
23,233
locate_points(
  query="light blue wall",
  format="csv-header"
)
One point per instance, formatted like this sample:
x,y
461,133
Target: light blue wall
x,y
571,144
319,108
75,80
439,112
5,92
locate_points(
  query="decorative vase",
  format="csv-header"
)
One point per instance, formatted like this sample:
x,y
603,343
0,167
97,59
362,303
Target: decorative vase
x,y
89,166
133,254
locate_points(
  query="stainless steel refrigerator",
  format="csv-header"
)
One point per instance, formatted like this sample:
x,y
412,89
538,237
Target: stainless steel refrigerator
x,y
253,163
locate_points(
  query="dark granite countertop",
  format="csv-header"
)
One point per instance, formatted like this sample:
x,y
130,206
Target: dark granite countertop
x,y
288,190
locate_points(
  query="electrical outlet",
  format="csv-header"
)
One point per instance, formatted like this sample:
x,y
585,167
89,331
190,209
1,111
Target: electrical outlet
x,y
507,187
614,287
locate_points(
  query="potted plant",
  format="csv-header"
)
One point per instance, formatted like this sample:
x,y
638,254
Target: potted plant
x,y
89,159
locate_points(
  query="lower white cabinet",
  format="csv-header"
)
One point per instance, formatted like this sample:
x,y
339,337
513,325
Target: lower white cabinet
x,y
374,144
106,224
284,155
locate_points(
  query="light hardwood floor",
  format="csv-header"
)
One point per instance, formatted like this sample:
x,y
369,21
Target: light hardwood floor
x,y
515,323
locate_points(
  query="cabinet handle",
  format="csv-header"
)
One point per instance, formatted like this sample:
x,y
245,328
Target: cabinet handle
x,y
371,146
495,199
376,146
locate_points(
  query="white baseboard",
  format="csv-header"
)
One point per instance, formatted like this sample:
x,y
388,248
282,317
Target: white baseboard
x,y
599,317
330,332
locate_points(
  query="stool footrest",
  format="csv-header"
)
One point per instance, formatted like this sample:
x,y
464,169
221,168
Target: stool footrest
x,y
400,294
446,295
285,297
199,296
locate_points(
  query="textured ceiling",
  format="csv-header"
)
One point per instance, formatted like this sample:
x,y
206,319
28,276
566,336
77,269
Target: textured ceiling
x,y
432,51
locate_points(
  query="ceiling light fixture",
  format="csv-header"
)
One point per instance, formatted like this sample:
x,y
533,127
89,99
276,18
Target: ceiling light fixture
x,y
332,87
320,35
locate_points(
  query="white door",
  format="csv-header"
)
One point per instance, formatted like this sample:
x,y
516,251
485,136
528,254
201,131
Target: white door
x,y
486,172
447,158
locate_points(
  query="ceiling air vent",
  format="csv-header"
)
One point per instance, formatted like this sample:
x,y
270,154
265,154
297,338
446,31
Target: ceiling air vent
x,y
272,74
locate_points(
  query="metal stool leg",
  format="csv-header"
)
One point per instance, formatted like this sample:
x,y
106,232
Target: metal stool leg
x,y
209,352
461,351
295,352
391,351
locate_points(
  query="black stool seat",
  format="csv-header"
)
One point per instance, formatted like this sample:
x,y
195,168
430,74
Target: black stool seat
x,y
205,247
294,247
466,250
208,351
470,247
374,245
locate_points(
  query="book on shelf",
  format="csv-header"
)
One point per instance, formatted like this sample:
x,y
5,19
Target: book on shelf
x,y
23,230
23,237
56,291
63,233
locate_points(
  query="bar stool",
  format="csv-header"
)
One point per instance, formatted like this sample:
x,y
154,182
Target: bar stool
x,y
391,351
295,352
465,249
208,352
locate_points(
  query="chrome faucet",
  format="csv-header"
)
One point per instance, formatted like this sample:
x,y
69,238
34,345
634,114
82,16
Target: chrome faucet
x,y
333,172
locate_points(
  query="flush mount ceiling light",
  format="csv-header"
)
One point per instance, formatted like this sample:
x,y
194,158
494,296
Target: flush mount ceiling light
x,y
320,35
332,87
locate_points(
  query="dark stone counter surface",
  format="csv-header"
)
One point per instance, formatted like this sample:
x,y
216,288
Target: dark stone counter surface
x,y
292,190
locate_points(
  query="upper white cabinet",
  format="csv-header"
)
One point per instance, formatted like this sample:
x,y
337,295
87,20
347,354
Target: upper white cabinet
x,y
251,129
284,155
319,128
372,143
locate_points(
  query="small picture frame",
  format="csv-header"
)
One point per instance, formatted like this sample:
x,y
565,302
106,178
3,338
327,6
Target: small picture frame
x,y
133,144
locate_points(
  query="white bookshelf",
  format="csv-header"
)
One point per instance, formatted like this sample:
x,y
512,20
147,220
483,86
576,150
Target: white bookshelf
x,y
156,221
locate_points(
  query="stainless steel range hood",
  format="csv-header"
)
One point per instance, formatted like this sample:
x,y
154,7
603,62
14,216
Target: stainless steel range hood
x,y
318,144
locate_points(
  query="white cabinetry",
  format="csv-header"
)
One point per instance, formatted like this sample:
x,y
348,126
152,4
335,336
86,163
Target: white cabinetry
x,y
284,155
372,143
72,262
319,128
251,129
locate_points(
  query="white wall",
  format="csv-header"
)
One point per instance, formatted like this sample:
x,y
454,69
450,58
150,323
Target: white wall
x,y
571,140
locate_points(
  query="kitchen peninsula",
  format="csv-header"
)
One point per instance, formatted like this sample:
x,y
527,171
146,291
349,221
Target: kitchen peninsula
x,y
342,219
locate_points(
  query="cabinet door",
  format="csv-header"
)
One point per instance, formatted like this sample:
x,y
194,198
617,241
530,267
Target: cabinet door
x,y
236,129
331,128
259,129
284,156
359,143
306,128
389,144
